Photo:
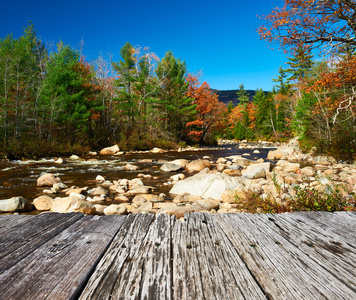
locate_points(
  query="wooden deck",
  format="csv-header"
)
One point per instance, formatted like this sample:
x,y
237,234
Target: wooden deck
x,y
310,255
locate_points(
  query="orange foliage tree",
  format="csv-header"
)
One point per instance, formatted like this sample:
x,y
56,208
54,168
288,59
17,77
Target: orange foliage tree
x,y
210,110
313,22
335,90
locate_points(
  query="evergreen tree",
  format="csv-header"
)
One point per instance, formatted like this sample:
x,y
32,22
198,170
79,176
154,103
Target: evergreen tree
x,y
67,92
127,99
283,85
300,64
242,96
177,107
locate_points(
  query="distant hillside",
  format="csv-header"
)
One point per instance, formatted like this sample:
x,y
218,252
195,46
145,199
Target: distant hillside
x,y
230,95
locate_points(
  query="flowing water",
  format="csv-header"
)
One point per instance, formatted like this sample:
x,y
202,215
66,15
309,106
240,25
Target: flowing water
x,y
18,178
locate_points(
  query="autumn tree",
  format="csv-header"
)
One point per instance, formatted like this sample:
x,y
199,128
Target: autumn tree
x,y
210,110
311,22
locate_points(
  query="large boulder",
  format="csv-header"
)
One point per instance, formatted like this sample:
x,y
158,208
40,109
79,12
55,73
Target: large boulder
x,y
110,150
15,204
198,165
257,171
72,204
48,180
170,167
205,185
43,203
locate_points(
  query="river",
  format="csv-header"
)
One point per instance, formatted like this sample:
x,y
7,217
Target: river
x,y
18,178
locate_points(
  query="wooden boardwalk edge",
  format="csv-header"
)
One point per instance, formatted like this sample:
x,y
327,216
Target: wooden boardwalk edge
x,y
309,255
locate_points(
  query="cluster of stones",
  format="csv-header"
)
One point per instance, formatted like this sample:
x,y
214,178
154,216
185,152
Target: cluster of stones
x,y
210,186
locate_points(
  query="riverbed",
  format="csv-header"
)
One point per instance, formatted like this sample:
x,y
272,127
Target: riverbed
x,y
19,177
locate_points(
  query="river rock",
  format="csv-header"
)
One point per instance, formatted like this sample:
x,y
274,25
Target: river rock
x,y
180,162
110,150
121,198
15,204
205,185
154,198
74,157
137,189
198,165
279,154
257,170
170,167
99,178
157,150
72,204
43,203
177,177
186,197
139,200
221,160
232,172
291,167
115,209
60,161
131,167
173,210
48,180
99,191
205,204
220,167
99,209
145,208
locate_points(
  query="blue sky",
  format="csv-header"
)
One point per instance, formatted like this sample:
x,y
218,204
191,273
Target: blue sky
x,y
217,37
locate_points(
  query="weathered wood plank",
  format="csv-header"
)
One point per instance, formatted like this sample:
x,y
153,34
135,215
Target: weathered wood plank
x,y
206,265
113,273
8,221
341,224
324,247
283,270
22,239
60,268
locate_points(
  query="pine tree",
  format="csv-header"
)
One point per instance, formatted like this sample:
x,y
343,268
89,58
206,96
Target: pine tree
x,y
300,64
177,107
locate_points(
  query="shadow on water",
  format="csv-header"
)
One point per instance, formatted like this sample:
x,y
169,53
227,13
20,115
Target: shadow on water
x,y
18,178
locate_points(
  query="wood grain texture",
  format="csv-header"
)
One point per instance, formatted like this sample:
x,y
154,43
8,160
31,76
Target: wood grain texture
x,y
59,268
115,276
306,255
206,265
9,221
282,268
23,238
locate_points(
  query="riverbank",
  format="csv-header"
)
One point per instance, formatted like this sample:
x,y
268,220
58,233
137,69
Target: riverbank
x,y
286,180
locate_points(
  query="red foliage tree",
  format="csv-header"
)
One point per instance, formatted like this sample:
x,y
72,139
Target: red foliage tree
x,y
210,110
313,22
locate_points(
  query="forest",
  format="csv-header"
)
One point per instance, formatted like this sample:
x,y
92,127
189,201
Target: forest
x,y
54,101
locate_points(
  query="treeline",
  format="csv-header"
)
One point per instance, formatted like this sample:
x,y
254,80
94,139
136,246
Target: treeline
x,y
54,101
313,100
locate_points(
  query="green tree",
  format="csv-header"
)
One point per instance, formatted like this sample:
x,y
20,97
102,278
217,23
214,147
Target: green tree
x,y
68,94
176,106
127,99
300,64
242,95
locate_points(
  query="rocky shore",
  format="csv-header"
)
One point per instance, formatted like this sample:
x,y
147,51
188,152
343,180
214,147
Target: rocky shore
x,y
200,185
